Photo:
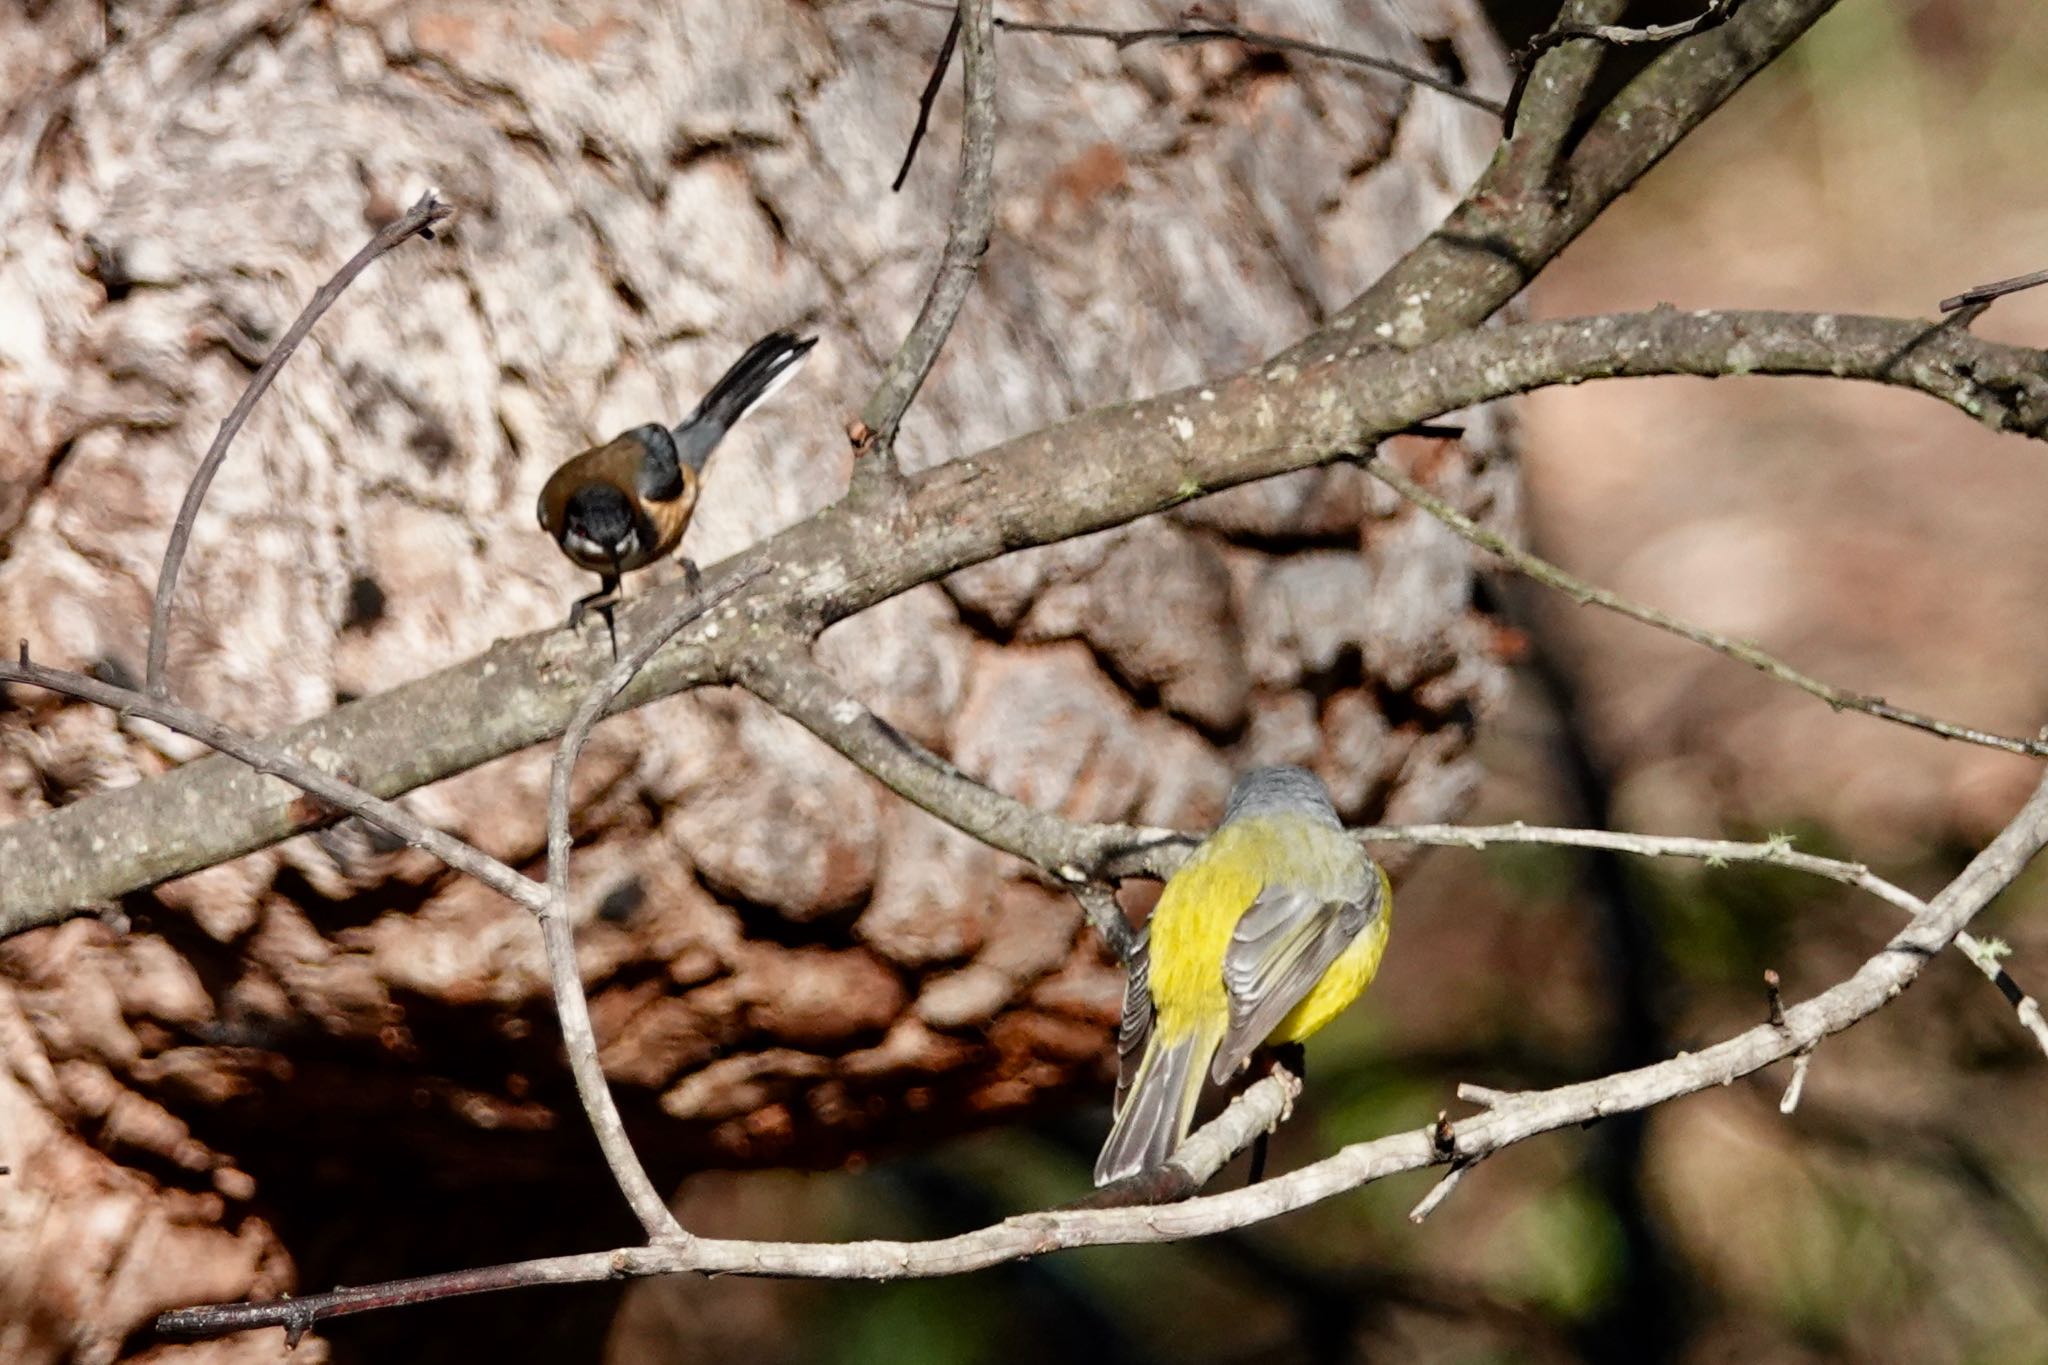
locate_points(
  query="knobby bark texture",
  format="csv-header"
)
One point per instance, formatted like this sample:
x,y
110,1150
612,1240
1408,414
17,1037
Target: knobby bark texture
x,y
232,1081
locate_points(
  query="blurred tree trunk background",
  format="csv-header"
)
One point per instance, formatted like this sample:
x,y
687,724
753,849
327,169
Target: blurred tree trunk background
x,y
334,1061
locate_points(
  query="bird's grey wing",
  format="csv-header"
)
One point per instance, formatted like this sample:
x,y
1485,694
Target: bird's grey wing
x,y
1136,1028
1279,950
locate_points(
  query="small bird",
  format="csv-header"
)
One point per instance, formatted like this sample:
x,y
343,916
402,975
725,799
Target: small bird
x,y
1274,924
621,506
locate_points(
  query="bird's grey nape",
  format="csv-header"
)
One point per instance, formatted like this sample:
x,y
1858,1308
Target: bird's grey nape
x,y
1277,790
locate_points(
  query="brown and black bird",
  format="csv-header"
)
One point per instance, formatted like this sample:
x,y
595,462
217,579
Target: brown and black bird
x,y
621,506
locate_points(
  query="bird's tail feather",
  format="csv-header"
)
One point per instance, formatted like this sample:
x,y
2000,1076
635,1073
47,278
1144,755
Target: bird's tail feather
x,y
768,364
1159,1106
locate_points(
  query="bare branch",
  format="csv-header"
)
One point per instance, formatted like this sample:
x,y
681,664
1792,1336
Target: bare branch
x,y
1716,13
929,97
782,674
1552,180
1564,80
1715,852
419,220
333,794
1099,469
579,1040
1441,1191
1204,30
1997,289
1511,1118
967,234
1587,594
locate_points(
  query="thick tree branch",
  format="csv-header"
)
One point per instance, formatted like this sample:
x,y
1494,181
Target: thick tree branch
x,y
417,221
1509,1118
333,795
1100,469
1535,198
967,233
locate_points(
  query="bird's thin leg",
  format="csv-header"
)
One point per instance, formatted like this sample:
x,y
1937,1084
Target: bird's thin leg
x,y
603,600
693,579
1288,1057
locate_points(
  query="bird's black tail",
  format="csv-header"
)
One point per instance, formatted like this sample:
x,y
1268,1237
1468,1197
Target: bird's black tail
x,y
768,364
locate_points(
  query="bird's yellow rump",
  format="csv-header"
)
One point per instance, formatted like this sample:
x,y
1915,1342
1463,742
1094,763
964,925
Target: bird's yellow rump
x,y
1274,924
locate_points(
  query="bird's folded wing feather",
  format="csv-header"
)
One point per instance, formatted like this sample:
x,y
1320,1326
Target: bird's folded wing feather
x,y
1279,950
1136,1028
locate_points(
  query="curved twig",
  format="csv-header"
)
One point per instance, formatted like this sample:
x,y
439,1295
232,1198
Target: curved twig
x,y
1588,594
571,1007
419,220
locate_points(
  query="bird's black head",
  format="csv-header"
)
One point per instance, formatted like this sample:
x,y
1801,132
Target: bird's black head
x,y
598,526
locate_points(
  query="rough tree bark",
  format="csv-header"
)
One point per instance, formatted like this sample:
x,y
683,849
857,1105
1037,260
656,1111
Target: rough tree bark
x,y
787,965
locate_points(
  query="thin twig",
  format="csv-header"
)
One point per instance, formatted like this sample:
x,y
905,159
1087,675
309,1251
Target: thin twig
x,y
419,220
579,1039
1997,289
1550,575
1513,1118
1217,30
930,96
1715,852
1797,1085
1257,1112
1716,13
334,794
1441,1191
967,234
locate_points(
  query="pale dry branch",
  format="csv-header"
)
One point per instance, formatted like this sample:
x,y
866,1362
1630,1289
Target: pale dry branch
x,y
1715,853
417,221
1258,1109
1541,570
1510,1118
1205,30
333,794
967,235
1441,1191
1801,1063
579,1039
